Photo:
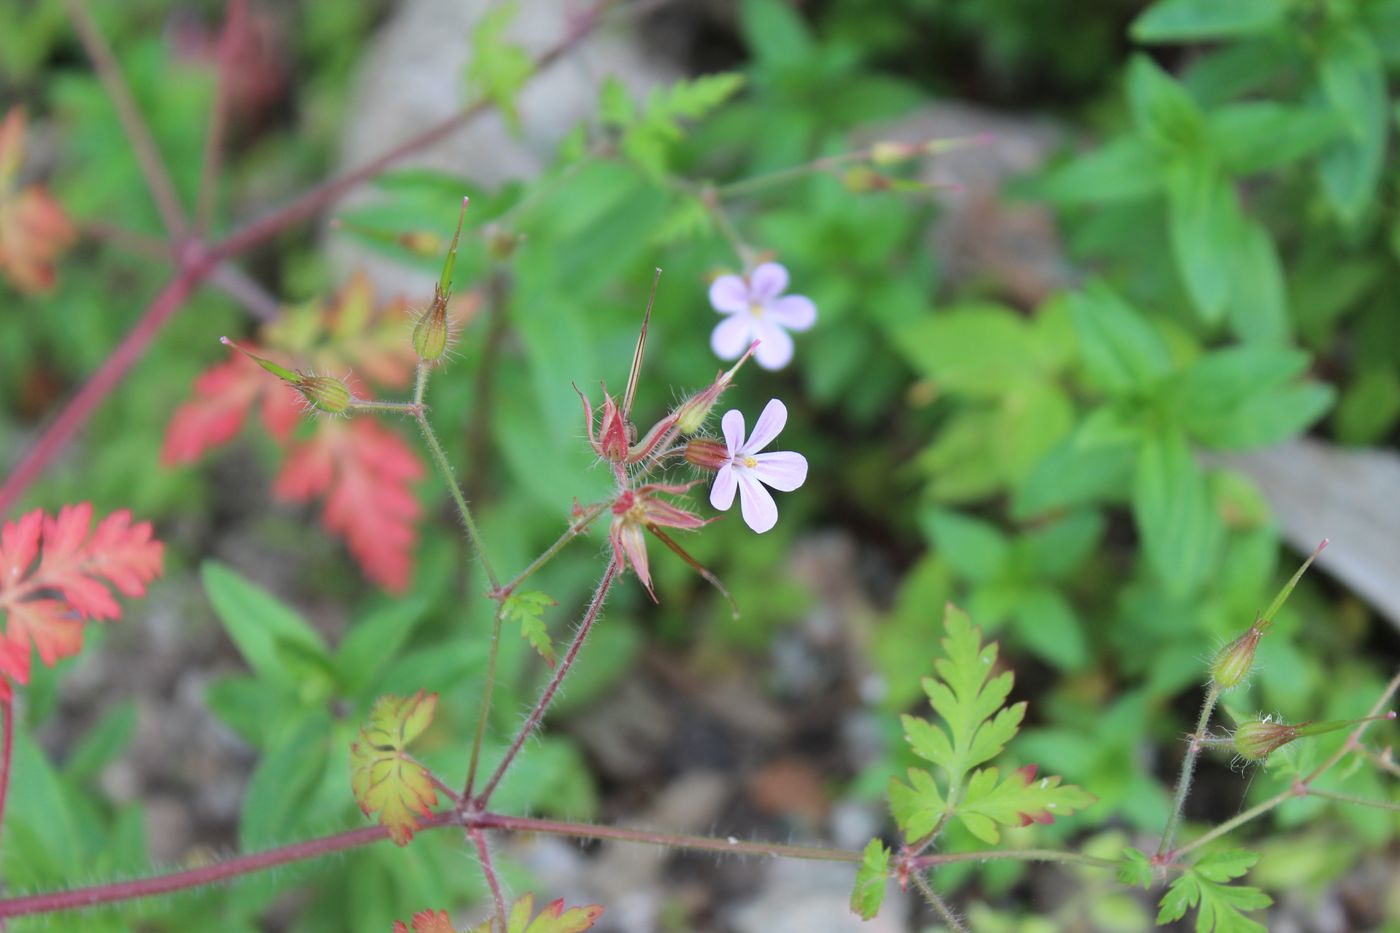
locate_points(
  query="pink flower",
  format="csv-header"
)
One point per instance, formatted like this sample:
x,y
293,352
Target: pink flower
x,y
747,470
757,309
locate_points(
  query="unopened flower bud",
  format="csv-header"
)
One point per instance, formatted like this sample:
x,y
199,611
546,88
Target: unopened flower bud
x,y
706,453
324,393
1233,663
430,333
1257,739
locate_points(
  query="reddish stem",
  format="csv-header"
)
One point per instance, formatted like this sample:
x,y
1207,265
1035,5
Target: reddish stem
x,y
7,744
208,874
232,32
489,870
32,465
547,697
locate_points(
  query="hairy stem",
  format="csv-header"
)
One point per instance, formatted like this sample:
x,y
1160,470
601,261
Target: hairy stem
x,y
464,512
36,460
138,133
487,690
7,746
204,875
547,696
730,845
483,852
235,14
1188,768
1300,788
579,526
1355,800
1017,855
938,904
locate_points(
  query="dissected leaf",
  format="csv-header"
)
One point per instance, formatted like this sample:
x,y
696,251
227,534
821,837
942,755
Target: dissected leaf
x,y
871,879
1018,800
527,608
1220,906
918,805
223,396
649,132
33,226
969,699
428,921
499,68
364,470
1135,870
44,605
553,918
385,780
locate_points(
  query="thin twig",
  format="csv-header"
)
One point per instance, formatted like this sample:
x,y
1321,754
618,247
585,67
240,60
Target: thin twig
x,y
138,133
489,871
547,696
937,903
235,20
488,688
1188,768
464,511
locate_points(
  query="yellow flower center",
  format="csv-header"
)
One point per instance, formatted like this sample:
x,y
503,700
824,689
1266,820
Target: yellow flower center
x,y
750,462
755,309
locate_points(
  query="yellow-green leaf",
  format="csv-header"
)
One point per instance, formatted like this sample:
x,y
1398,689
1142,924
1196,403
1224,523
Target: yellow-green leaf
x,y
384,778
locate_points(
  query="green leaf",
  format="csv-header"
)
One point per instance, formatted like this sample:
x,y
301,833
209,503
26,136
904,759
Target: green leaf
x,y
1220,906
1259,301
374,642
499,69
1135,870
871,880
1175,513
1197,20
283,783
261,626
1162,108
973,548
102,744
1369,406
1205,224
1070,475
1125,169
1019,799
1261,135
775,33
527,608
649,138
1121,351
1352,79
969,700
1247,397
975,350
917,806
1047,625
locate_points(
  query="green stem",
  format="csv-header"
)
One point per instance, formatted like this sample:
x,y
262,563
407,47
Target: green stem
x,y
486,691
401,408
1022,855
1188,768
791,173
463,511
1353,799
729,845
580,525
937,903
420,382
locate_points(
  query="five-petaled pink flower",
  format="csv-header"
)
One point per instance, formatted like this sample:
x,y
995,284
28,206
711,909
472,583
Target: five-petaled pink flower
x,y
757,309
747,470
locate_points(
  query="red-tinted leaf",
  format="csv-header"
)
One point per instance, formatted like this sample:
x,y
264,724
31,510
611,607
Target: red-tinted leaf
x,y
428,921
45,605
385,780
33,227
223,396
553,918
364,470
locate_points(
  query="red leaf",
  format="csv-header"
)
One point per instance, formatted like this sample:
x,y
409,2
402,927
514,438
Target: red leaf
x,y
223,396
33,227
46,608
365,471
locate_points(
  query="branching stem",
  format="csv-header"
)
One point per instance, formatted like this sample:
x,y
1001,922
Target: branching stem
x,y
1188,768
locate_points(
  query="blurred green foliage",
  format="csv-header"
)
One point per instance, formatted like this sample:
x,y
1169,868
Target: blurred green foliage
x,y
1036,464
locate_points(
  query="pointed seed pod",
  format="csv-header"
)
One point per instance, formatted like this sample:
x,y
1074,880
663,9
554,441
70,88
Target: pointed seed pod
x,y
323,393
430,333
1257,739
1232,663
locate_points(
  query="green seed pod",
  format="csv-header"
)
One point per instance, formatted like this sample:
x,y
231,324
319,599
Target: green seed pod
x,y
1232,665
325,393
430,333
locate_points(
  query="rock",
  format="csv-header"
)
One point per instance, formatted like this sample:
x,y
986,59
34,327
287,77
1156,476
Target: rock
x,y
413,77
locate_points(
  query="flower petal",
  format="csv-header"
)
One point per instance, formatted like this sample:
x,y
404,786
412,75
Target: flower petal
x,y
760,511
722,492
767,282
781,469
634,542
795,312
731,337
769,425
733,426
775,346
729,294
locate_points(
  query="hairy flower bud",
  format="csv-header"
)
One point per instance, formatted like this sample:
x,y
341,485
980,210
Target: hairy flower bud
x,y
1233,662
706,453
1257,739
324,393
431,332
